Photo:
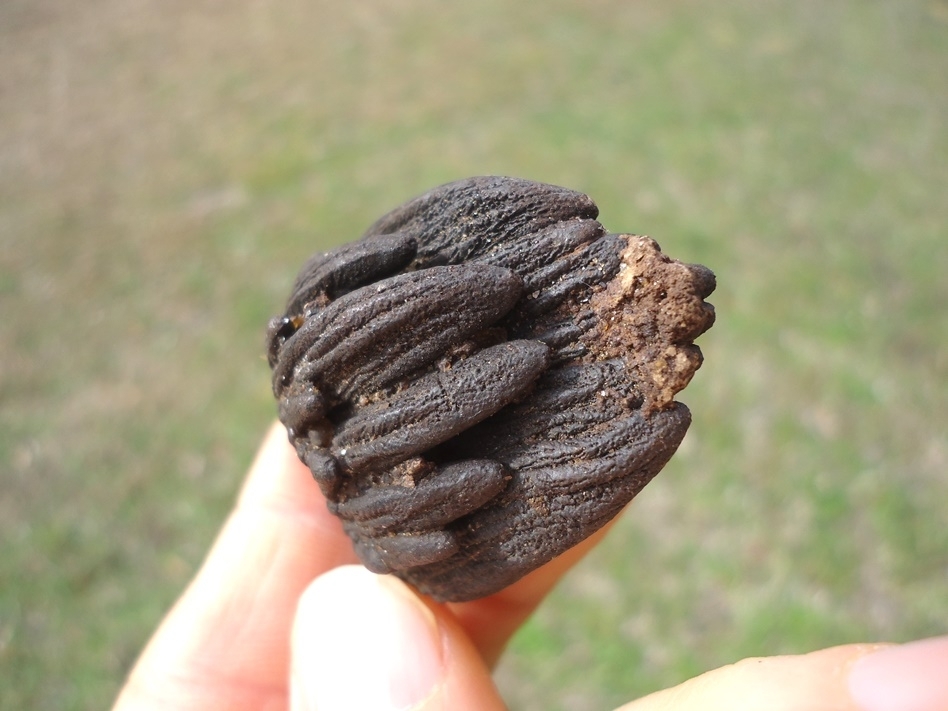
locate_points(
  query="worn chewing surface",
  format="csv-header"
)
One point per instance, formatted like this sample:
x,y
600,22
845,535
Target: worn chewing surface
x,y
486,378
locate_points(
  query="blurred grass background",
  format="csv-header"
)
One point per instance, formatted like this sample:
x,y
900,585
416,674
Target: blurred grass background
x,y
165,168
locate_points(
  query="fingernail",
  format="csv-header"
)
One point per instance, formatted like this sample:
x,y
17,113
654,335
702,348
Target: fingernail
x,y
907,677
362,641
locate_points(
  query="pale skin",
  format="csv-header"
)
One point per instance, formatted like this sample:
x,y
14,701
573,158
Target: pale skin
x,y
281,617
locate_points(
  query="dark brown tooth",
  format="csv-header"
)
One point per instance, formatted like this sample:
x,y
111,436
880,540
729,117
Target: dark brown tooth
x,y
486,378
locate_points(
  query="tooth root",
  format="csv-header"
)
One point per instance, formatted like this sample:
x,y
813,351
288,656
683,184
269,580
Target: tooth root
x,y
332,274
403,551
439,406
375,334
627,446
463,220
301,408
441,497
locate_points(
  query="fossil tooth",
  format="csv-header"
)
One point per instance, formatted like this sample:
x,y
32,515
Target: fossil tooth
x,y
486,378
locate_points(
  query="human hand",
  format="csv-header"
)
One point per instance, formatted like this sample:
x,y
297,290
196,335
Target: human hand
x,y
226,644
278,618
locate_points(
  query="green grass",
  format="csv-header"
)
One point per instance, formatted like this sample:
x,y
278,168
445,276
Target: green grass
x,y
165,168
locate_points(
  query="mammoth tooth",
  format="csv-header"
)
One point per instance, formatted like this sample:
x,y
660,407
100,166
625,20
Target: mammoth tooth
x,y
486,378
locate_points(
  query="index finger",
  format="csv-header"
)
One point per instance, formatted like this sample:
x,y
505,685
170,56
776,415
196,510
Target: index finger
x,y
225,644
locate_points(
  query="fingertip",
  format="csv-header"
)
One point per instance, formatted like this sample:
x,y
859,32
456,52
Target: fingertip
x,y
358,644
366,641
906,677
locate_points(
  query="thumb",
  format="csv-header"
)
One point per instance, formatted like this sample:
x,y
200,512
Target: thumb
x,y
364,641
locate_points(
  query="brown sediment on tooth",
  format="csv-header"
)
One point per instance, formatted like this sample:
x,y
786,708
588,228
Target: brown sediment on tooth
x,y
649,315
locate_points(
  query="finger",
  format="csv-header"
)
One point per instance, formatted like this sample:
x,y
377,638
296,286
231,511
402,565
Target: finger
x,y
363,641
491,621
225,644
858,677
907,677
